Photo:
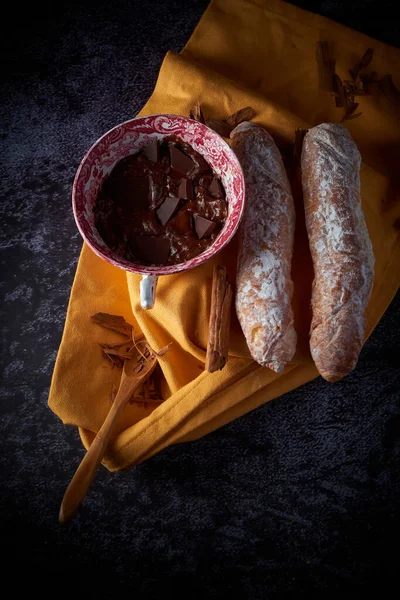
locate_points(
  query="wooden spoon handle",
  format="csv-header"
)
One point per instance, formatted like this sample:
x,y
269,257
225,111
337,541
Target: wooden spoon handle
x,y
86,471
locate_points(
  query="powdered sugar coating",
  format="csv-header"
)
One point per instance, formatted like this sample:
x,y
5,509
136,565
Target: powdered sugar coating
x,y
340,247
264,286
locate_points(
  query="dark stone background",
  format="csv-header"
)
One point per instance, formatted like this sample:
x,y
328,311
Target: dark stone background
x,y
299,497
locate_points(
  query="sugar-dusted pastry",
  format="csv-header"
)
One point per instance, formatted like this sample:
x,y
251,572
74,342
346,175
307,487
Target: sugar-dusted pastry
x,y
264,286
340,247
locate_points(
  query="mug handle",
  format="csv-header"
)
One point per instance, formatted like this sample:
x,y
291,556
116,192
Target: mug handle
x,y
148,286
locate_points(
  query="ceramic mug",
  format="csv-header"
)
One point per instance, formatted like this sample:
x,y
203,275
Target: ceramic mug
x,y
129,138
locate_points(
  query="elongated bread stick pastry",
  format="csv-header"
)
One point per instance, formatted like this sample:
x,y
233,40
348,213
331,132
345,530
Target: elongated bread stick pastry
x,y
340,248
264,286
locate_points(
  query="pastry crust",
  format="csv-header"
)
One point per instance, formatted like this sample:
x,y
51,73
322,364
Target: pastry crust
x,y
264,285
340,248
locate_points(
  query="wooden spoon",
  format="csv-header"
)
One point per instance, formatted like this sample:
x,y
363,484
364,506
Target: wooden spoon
x,y
133,374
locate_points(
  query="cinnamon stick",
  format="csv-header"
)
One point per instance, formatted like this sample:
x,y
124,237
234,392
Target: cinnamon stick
x,y
219,325
113,322
326,65
362,64
244,114
196,113
220,127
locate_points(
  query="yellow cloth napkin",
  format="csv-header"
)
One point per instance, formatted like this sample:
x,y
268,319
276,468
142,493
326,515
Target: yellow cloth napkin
x,y
258,53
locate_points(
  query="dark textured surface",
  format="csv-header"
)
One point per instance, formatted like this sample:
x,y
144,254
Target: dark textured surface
x,y
301,495
371,17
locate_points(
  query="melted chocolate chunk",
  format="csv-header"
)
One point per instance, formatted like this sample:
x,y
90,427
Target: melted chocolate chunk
x,y
202,164
151,151
204,227
167,209
215,189
185,190
179,161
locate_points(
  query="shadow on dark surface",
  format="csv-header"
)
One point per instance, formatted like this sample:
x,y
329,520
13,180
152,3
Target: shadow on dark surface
x,y
368,16
299,496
